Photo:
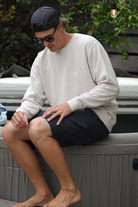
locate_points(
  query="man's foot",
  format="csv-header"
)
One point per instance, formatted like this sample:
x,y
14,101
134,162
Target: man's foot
x,y
37,200
65,198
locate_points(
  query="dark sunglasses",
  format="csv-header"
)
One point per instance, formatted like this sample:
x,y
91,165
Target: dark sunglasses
x,y
48,38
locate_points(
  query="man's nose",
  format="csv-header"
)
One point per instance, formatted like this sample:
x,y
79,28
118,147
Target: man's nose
x,y
46,43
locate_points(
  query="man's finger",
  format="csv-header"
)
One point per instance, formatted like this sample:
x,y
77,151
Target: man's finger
x,y
16,124
16,120
53,116
60,120
49,111
20,120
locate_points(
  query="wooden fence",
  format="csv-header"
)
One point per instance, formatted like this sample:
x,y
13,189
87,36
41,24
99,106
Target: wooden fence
x,y
116,58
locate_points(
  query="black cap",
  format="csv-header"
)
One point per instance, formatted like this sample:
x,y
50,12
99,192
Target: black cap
x,y
45,18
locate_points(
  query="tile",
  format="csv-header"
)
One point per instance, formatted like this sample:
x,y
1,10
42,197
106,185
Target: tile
x,y
6,203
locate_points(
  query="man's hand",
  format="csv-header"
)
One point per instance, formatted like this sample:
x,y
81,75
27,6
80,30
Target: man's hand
x,y
60,109
20,120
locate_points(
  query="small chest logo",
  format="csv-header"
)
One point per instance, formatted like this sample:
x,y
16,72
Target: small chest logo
x,y
75,73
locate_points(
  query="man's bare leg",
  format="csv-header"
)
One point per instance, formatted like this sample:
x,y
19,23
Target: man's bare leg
x,y
54,156
25,157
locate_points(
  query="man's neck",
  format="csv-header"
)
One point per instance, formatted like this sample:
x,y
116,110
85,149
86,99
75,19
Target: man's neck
x,y
66,37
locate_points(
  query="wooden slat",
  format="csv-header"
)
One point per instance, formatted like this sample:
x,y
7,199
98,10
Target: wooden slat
x,y
133,42
128,31
129,66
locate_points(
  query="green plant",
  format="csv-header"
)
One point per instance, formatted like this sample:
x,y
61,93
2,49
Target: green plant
x,y
95,19
16,47
127,17
16,38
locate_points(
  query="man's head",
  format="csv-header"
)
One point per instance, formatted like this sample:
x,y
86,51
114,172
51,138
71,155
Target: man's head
x,y
44,23
45,18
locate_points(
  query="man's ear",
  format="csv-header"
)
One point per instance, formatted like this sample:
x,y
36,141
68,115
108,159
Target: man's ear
x,y
61,26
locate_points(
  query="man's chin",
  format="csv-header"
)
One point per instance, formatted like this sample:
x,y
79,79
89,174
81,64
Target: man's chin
x,y
51,48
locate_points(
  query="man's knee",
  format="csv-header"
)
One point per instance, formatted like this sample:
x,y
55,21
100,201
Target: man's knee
x,y
39,129
7,132
10,134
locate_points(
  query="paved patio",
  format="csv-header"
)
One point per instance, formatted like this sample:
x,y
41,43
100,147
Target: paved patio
x,y
5,203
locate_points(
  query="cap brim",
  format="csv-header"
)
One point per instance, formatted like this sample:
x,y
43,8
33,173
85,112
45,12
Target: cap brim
x,y
63,19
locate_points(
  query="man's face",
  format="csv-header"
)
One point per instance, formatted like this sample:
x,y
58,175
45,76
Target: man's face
x,y
54,45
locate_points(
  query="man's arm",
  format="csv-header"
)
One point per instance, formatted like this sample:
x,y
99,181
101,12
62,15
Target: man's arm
x,y
34,97
106,86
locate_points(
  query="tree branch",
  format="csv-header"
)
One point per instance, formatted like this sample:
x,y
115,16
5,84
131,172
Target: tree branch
x,y
30,13
28,16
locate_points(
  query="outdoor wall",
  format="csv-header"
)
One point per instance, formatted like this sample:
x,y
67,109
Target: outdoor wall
x,y
116,58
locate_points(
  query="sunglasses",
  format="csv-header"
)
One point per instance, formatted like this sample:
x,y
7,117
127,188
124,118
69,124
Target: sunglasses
x,y
48,38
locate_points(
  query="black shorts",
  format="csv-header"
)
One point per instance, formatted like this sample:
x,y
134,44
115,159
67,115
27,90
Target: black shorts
x,y
81,127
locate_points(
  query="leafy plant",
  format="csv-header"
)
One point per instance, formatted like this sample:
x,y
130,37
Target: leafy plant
x,y
95,19
16,43
127,17
16,47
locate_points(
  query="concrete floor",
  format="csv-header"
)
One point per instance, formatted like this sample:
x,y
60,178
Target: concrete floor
x,y
5,203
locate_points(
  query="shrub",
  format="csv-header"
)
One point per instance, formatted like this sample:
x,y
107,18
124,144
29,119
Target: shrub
x,y
16,47
16,43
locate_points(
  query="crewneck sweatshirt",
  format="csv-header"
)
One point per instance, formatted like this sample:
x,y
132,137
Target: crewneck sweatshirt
x,y
80,74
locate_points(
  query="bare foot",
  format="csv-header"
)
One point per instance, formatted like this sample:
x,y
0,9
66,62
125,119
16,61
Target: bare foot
x,y
65,198
36,200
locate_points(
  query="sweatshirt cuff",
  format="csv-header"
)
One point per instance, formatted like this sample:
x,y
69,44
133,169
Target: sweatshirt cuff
x,y
20,109
74,104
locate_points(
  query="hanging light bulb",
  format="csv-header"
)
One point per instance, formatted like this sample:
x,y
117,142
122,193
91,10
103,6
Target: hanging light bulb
x,y
113,10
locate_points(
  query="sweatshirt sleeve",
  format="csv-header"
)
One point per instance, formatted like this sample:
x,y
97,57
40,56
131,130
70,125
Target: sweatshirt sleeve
x,y
106,85
34,97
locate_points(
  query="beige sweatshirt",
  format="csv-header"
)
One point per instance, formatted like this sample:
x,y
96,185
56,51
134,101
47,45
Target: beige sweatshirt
x,y
80,74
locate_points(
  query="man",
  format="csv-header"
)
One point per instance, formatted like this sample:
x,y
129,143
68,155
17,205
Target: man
x,y
75,75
